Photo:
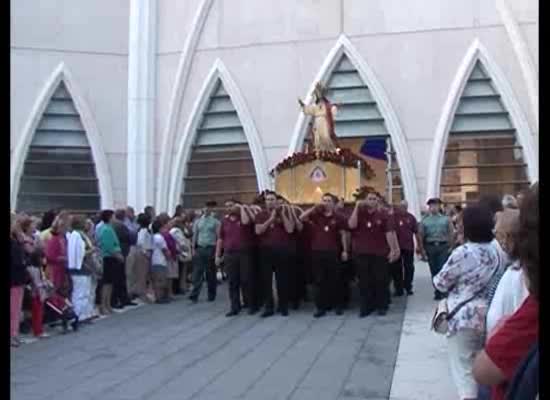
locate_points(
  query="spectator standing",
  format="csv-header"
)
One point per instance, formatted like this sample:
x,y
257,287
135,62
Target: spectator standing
x,y
159,264
79,247
56,255
39,292
112,260
512,341
120,297
466,277
18,279
184,252
142,258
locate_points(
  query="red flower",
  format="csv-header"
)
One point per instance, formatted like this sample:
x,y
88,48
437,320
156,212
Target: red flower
x,y
344,157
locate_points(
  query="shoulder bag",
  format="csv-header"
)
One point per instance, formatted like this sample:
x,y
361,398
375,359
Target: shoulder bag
x,y
441,317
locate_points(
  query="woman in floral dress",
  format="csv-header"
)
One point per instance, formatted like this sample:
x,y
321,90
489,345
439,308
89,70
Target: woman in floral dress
x,y
465,278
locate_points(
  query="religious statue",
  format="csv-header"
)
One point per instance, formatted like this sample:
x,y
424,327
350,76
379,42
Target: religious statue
x,y
322,111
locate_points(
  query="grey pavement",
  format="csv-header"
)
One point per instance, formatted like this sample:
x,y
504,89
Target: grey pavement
x,y
183,351
422,371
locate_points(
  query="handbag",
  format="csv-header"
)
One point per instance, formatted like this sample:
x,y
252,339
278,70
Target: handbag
x,y
93,264
441,317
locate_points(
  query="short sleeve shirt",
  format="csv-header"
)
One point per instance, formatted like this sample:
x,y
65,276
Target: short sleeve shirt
x,y
405,228
512,342
436,228
275,236
234,234
325,231
369,238
206,228
159,244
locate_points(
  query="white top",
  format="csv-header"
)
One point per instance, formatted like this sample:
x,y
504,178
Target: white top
x,y
144,240
158,255
510,294
76,249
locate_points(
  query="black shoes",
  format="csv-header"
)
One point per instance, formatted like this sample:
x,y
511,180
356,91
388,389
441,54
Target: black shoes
x,y
232,313
193,299
382,312
252,310
339,311
365,313
131,304
284,313
410,292
267,313
211,299
319,314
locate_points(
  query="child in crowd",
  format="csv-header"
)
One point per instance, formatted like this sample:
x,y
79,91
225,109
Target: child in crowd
x,y
159,264
40,289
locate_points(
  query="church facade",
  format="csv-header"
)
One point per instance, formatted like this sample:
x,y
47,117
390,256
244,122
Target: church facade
x,y
167,102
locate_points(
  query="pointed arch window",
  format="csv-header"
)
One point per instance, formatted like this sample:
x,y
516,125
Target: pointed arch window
x,y
360,126
221,164
483,155
59,170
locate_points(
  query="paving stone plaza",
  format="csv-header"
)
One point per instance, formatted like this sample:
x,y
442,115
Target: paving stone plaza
x,y
181,351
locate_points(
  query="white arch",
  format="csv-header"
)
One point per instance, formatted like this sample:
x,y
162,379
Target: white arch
x,y
182,76
524,57
344,46
254,141
62,73
478,52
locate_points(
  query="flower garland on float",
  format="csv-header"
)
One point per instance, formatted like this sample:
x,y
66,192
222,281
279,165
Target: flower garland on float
x,y
343,157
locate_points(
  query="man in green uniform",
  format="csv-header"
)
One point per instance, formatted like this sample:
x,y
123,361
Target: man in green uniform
x,y
205,235
436,230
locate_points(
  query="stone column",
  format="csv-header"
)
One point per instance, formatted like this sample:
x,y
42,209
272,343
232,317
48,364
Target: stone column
x,y
141,102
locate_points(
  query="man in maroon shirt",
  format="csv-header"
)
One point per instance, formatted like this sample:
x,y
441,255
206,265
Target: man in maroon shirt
x,y
327,238
234,240
373,247
406,226
274,226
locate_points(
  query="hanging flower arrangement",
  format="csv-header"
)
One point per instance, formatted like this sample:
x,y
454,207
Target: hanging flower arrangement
x,y
343,157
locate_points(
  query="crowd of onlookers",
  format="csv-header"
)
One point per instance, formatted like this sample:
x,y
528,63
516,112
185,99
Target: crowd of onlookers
x,y
68,268
483,259
490,282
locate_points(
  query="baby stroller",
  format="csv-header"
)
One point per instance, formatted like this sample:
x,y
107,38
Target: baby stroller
x,y
63,309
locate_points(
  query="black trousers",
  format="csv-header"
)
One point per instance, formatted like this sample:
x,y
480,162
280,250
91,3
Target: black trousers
x,y
115,274
328,280
408,268
275,260
374,280
297,277
256,300
396,273
238,266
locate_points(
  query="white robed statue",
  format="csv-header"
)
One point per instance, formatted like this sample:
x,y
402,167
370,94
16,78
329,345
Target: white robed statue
x,y
322,111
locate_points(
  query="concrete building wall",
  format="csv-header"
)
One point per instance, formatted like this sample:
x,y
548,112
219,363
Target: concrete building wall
x,y
273,51
91,39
